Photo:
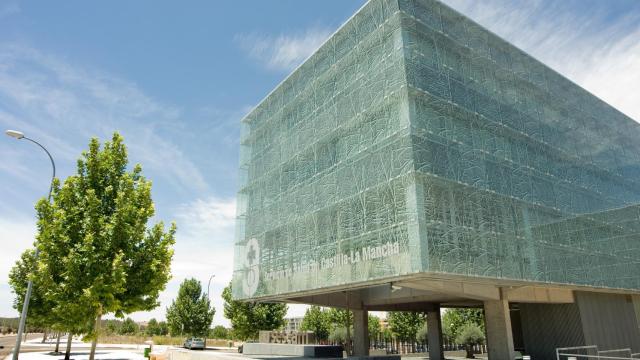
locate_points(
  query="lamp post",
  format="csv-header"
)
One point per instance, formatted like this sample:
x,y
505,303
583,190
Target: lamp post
x,y
208,298
209,285
25,306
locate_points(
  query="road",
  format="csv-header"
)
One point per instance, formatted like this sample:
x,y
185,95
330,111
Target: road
x,y
8,342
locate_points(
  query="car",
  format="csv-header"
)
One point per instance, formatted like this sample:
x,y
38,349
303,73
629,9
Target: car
x,y
194,343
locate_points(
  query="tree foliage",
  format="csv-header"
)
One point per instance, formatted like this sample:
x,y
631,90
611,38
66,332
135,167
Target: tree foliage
x,y
191,312
422,333
374,326
405,324
97,254
156,328
219,332
340,317
455,319
317,319
338,335
41,306
128,327
468,335
248,318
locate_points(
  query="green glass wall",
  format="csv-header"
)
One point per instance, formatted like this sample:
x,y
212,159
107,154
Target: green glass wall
x,y
416,141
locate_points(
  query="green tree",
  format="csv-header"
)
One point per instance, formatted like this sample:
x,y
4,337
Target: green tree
x,y
128,327
48,307
153,328
316,319
219,332
340,317
374,326
338,335
454,319
387,334
112,327
470,334
422,333
405,324
163,328
247,318
191,312
41,306
94,241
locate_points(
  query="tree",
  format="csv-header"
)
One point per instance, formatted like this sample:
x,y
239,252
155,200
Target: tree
x,y
156,328
247,318
48,307
153,328
405,324
40,305
129,327
455,319
317,319
340,317
112,327
163,328
191,312
374,326
338,335
469,335
422,333
95,244
219,332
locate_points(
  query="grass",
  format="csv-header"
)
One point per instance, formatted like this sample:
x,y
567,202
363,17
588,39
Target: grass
x,y
157,340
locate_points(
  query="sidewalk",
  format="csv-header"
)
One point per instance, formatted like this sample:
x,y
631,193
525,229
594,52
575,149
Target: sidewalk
x,y
77,343
83,355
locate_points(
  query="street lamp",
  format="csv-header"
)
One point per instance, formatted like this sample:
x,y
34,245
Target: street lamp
x,y
209,285
25,306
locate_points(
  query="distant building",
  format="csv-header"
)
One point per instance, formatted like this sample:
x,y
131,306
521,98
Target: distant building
x,y
418,161
293,324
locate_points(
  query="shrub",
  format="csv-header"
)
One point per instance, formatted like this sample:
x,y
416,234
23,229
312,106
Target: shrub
x,y
470,334
338,335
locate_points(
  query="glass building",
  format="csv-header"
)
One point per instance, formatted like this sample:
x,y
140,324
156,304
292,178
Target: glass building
x,y
416,145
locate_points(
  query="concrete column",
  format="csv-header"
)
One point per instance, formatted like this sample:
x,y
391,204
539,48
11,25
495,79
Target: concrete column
x,y
360,333
434,333
499,335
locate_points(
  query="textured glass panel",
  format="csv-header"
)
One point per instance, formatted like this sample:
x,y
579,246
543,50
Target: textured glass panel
x,y
415,141
540,171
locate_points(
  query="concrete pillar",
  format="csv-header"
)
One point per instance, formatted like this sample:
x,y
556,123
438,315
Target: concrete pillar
x,y
434,333
499,335
360,333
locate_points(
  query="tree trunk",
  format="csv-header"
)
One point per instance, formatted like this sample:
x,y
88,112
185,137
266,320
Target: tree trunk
x,y
58,343
469,349
44,336
95,337
67,354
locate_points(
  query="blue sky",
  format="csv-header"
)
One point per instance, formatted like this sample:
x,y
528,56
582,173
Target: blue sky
x,y
176,78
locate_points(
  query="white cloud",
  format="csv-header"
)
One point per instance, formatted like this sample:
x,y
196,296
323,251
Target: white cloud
x,y
283,52
52,99
587,46
204,247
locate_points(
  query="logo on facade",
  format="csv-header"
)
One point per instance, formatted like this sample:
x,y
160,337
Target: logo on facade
x,y
252,267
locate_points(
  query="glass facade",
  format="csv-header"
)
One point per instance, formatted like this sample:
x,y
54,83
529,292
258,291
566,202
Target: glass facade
x,y
415,141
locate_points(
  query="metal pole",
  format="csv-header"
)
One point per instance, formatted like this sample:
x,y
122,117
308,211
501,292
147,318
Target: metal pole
x,y
208,298
25,305
209,285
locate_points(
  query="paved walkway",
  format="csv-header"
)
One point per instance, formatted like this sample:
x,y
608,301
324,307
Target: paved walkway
x,y
83,355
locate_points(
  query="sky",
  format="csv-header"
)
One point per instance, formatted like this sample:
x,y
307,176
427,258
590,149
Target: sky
x,y
176,78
